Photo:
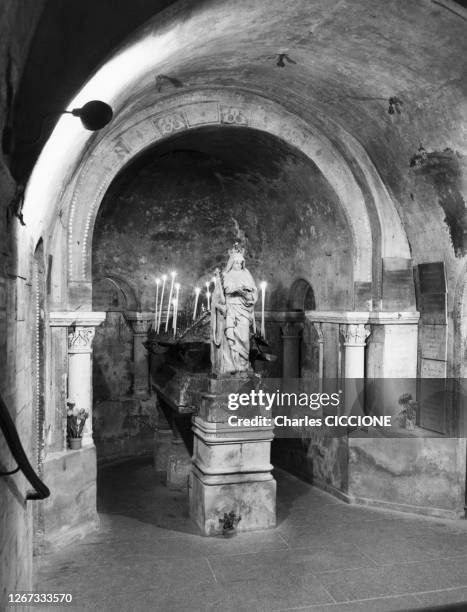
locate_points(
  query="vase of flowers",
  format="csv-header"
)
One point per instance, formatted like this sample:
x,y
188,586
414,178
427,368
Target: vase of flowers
x,y
408,413
75,421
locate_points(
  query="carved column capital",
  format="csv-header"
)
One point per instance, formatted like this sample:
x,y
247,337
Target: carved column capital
x,y
80,339
319,330
140,321
355,334
291,329
140,327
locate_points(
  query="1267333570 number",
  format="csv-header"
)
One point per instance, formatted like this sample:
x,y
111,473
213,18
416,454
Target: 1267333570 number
x,y
39,598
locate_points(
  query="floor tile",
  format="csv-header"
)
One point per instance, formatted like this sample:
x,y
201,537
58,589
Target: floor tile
x,y
324,555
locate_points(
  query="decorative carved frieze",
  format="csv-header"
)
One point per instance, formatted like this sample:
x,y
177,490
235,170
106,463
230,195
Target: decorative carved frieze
x,y
171,123
233,115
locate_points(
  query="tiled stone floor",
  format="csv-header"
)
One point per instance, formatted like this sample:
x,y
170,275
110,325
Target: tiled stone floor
x,y
324,556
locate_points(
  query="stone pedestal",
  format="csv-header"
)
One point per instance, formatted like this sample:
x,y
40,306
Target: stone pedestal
x,y
231,465
178,460
178,466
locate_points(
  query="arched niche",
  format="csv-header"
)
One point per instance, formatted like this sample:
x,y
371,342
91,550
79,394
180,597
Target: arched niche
x,y
301,296
111,293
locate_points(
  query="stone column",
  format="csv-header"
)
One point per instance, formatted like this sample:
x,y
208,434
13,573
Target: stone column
x,y
355,335
140,323
80,374
81,330
291,333
319,330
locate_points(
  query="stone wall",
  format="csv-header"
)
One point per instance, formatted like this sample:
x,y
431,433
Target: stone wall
x,y
17,23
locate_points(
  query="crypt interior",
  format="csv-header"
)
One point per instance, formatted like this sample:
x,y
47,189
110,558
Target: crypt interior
x,y
328,138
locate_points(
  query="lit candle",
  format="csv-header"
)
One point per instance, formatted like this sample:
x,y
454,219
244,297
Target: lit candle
x,y
164,278
177,292
158,280
174,319
197,290
173,275
208,295
263,295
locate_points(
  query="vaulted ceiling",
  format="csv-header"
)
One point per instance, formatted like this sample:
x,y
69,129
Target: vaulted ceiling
x,y
336,60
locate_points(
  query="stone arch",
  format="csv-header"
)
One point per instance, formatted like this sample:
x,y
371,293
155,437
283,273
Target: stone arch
x,y
222,109
125,294
301,296
134,131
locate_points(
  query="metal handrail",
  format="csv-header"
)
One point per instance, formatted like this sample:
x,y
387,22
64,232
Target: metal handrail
x,y
10,432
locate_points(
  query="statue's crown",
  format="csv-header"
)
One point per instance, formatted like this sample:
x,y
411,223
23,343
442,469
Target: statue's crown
x,y
237,250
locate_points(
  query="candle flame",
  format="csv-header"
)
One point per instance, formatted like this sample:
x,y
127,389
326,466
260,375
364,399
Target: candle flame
x,y
197,289
158,280
263,285
164,277
177,286
173,274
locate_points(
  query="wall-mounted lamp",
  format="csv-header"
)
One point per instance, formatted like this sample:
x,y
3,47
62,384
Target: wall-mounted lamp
x,y
94,116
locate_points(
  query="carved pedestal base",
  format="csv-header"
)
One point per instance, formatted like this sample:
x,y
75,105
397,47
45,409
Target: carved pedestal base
x,y
231,465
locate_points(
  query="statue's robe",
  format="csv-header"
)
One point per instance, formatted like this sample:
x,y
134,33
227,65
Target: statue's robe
x,y
231,322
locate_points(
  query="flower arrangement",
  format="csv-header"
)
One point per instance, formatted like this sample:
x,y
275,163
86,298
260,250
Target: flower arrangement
x,y
75,420
408,413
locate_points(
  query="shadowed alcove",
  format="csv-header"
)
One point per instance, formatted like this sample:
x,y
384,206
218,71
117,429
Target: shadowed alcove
x,y
179,206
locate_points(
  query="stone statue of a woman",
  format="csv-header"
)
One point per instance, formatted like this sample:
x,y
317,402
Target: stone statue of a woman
x,y
232,312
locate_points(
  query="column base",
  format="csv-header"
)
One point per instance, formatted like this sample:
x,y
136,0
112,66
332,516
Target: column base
x,y
251,496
